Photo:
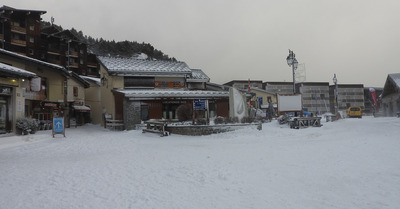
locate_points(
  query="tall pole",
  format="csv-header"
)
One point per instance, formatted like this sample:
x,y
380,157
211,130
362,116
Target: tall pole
x,y
336,94
294,80
292,61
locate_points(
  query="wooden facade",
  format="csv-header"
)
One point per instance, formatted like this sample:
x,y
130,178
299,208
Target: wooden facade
x,y
21,32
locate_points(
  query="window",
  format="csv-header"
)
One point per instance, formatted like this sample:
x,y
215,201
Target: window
x,y
32,27
31,52
31,39
75,91
139,82
15,24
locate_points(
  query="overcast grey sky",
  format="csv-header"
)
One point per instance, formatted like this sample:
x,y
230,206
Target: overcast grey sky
x,y
240,39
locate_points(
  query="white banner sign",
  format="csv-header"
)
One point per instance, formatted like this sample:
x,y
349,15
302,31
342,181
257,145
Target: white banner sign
x,y
36,84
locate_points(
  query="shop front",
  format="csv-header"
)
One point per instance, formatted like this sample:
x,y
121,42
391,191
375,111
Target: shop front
x,y
142,105
5,109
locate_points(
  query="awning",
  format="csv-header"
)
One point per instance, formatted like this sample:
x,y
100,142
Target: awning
x,y
81,108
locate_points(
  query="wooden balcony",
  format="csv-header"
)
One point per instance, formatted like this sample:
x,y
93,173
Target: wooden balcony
x,y
18,42
73,65
92,65
54,61
18,29
53,52
73,54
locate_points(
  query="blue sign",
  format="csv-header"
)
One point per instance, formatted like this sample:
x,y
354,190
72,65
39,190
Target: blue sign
x,y
260,100
58,125
200,104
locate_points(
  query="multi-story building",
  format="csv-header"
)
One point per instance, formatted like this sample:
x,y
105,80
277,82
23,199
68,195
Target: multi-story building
x,y
53,89
63,48
20,31
279,87
315,97
347,95
244,84
12,80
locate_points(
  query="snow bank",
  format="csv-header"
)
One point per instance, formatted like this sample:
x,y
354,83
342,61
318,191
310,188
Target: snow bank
x,y
351,163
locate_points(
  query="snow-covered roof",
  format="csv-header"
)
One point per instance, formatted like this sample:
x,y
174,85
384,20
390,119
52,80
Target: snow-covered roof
x,y
81,108
13,54
198,75
7,8
140,67
137,94
396,79
88,78
392,84
14,71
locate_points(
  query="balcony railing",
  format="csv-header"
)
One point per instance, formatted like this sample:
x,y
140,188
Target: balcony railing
x,y
18,42
73,54
73,65
53,51
54,61
92,65
18,29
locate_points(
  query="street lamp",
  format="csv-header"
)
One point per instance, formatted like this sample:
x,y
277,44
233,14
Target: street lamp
x,y
292,61
336,94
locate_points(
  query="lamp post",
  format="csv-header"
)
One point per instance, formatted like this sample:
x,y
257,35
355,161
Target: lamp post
x,y
292,61
336,94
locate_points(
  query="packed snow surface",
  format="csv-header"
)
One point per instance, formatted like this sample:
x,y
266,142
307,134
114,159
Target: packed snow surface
x,y
350,163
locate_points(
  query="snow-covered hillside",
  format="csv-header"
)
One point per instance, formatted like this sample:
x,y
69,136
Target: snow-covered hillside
x,y
351,163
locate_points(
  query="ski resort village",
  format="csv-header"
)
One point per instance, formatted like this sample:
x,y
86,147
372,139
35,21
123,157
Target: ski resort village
x,y
80,129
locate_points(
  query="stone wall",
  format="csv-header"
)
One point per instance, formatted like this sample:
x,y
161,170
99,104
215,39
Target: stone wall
x,y
131,114
199,130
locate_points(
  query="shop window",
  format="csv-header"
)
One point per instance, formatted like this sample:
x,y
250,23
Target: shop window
x,y
212,108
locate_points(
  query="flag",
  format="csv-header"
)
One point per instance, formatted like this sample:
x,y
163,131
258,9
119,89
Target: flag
x,y
248,90
373,95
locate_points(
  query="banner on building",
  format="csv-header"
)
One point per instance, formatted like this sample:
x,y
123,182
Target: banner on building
x,y
36,84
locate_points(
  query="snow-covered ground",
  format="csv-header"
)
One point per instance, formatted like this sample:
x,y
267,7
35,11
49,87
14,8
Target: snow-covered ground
x,y
351,163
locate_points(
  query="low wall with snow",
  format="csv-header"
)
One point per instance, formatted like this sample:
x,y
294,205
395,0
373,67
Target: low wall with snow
x,y
198,130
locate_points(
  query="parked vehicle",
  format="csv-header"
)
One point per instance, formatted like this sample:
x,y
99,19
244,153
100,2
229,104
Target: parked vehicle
x,y
354,112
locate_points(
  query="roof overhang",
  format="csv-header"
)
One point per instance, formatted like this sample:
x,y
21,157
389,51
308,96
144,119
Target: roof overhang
x,y
81,108
171,94
10,71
